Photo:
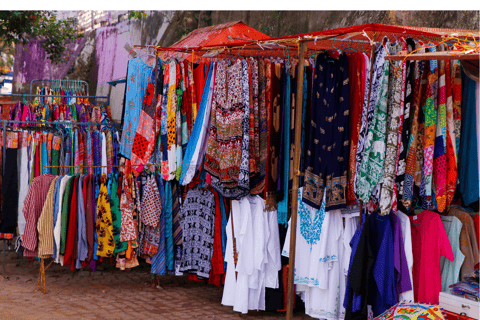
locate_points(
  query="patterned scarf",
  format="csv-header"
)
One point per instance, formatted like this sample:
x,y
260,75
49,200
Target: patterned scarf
x,y
394,125
451,147
440,149
369,106
274,96
370,171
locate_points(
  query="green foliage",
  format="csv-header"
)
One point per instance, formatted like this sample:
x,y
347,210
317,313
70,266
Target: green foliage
x,y
137,15
20,26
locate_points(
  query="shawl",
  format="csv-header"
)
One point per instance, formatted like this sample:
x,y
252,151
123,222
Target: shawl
x,y
370,171
394,125
451,146
440,149
369,103
172,122
273,99
457,102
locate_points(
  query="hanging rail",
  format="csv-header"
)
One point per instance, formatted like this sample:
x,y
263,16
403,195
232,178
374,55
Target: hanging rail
x,y
61,122
67,81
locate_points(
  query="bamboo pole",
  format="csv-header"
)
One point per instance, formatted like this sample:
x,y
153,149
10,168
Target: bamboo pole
x,y
296,169
441,55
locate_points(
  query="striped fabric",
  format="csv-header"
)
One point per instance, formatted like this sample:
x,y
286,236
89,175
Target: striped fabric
x,y
177,229
32,210
168,225
45,225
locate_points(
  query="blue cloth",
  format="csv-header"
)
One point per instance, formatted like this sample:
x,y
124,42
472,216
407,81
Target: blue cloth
x,y
382,282
159,265
168,225
283,204
82,246
139,75
224,229
468,157
197,128
96,185
56,198
357,300
44,158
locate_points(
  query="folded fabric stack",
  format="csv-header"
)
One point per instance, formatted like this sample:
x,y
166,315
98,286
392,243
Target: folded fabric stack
x,y
469,288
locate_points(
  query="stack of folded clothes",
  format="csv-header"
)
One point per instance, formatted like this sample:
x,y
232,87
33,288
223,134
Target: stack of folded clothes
x,y
469,288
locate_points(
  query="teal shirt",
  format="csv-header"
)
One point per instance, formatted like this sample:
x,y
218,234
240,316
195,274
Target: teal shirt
x,y
450,270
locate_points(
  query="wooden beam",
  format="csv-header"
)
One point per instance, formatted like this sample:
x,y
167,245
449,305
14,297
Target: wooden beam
x,y
296,171
445,55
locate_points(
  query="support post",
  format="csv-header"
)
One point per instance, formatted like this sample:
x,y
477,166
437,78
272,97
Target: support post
x,y
296,169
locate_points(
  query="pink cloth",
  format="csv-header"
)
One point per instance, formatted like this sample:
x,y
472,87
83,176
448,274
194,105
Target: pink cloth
x,y
429,242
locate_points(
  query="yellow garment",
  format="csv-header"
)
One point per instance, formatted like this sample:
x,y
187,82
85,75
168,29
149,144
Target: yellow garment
x,y
104,226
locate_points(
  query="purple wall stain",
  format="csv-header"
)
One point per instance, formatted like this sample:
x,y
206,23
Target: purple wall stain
x,y
33,63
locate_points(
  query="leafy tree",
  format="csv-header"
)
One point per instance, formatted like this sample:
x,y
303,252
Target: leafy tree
x,y
21,26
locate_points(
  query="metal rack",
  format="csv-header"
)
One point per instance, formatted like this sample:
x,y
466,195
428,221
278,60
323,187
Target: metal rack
x,y
61,82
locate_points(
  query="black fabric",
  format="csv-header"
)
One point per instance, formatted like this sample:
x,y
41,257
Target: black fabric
x,y
8,222
360,272
274,297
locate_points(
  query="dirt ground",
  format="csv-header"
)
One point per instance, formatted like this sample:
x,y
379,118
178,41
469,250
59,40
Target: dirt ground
x,y
108,293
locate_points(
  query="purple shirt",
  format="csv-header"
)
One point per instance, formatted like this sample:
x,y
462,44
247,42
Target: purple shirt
x,y
402,276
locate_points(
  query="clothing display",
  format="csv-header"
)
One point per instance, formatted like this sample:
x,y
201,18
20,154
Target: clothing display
x,y
201,179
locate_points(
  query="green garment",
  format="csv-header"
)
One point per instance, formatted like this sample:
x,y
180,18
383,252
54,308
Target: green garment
x,y
67,196
55,161
450,270
371,169
116,213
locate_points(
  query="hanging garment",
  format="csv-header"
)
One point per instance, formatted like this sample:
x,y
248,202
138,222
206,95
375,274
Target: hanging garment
x,y
197,221
82,245
452,168
274,98
258,184
440,149
138,77
357,74
72,227
57,205
394,123
104,227
468,158
408,114
429,242
144,141
32,209
414,149
67,196
369,104
403,282
456,80
171,122
45,224
468,239
9,214
23,180
370,171
90,213
450,270
199,137
407,246
327,158
116,214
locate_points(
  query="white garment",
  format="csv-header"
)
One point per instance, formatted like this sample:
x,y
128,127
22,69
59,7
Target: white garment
x,y
274,262
255,237
351,225
104,153
23,187
201,143
57,223
319,274
407,246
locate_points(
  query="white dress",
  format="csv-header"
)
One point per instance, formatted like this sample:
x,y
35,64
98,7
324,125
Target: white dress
x,y
23,183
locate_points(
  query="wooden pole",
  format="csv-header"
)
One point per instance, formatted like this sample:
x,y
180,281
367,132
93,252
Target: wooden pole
x,y
296,169
439,55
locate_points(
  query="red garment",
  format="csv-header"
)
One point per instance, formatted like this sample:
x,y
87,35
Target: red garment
x,y
37,159
357,78
72,227
199,81
429,242
32,210
476,223
217,273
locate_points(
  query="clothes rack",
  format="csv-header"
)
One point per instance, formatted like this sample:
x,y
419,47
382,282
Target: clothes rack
x,y
55,96
62,82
